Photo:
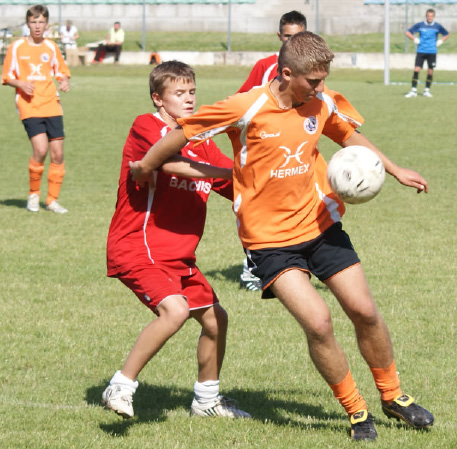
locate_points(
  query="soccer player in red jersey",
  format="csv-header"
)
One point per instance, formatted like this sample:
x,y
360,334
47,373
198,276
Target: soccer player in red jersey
x,y
289,220
30,65
152,240
266,69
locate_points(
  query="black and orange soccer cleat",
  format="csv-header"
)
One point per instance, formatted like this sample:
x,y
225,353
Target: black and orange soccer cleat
x,y
403,407
362,426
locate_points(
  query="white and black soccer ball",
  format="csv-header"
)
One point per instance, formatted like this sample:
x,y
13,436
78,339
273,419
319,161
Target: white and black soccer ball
x,y
356,174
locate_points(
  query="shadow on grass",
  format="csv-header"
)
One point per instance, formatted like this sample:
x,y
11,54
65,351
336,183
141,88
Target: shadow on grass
x,y
152,404
13,202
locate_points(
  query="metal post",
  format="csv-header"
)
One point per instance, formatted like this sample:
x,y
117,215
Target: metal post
x,y
406,24
386,42
143,41
229,30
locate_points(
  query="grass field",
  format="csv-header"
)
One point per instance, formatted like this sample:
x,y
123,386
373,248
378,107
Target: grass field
x,y
217,41
65,327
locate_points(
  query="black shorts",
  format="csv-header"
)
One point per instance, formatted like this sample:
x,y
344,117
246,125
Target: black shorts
x,y
429,57
324,256
51,126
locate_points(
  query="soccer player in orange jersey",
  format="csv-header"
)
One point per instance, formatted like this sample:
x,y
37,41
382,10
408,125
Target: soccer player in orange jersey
x,y
289,220
30,65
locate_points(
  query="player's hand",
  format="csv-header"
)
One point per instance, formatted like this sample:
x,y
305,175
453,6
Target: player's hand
x,y
138,174
411,178
439,42
417,41
27,88
64,85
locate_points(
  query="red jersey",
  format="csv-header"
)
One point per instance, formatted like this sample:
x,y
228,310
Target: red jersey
x,y
161,225
37,64
281,193
263,71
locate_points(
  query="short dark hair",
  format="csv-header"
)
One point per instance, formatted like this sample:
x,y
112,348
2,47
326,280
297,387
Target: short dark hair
x,y
169,71
292,18
37,10
430,10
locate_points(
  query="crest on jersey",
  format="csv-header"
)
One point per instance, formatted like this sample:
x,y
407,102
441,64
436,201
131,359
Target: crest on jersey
x,y
310,124
44,57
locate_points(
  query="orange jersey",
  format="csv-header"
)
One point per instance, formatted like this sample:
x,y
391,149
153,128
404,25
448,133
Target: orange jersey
x,y
37,64
281,193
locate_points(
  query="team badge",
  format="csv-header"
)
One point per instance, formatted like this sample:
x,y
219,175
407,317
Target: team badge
x,y
44,57
310,124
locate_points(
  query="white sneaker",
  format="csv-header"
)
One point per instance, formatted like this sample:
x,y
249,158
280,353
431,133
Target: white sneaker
x,y
119,400
56,207
33,203
427,94
411,94
248,280
221,406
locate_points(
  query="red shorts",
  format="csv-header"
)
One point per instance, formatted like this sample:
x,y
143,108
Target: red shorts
x,y
153,284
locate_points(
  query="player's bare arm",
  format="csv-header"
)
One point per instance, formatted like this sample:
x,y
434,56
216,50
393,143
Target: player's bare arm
x,y
25,86
160,152
182,166
405,176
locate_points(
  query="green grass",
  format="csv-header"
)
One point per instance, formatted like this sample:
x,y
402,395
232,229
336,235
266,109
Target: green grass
x,y
65,327
268,42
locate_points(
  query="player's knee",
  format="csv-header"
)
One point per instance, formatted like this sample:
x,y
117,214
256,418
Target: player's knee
x,y
320,330
215,322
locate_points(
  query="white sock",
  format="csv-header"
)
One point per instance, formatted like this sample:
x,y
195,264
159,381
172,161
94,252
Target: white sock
x,y
206,391
120,379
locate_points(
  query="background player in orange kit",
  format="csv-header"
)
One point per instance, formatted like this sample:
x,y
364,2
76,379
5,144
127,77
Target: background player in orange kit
x,y
151,246
289,220
30,65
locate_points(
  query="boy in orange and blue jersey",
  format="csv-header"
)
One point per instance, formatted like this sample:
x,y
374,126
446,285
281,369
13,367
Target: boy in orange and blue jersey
x,y
30,65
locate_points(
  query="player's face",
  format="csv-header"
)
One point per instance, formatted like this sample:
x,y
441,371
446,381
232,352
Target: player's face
x,y
37,26
178,99
304,88
430,17
289,30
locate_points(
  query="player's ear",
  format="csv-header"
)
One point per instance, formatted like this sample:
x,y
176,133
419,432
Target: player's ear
x,y
286,73
279,35
157,99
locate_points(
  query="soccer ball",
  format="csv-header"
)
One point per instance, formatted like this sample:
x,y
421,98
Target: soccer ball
x,y
356,174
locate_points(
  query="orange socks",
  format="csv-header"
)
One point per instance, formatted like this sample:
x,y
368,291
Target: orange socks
x,y
387,382
55,177
35,174
348,395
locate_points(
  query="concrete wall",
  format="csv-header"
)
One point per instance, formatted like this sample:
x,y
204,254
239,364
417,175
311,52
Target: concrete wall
x,y
324,16
370,61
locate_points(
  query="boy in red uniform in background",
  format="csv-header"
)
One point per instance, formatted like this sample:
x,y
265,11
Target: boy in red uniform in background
x,y
152,240
30,65
266,69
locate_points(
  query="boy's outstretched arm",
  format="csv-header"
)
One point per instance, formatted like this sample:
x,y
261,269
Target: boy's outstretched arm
x,y
160,152
403,175
182,166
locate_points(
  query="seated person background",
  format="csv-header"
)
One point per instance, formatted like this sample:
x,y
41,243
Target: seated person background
x,y
69,34
114,41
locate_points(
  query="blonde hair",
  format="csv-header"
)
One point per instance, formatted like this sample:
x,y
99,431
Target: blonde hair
x,y
304,53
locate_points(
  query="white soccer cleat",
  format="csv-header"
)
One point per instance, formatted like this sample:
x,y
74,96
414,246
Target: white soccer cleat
x,y
411,94
221,406
56,207
427,94
119,400
33,203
